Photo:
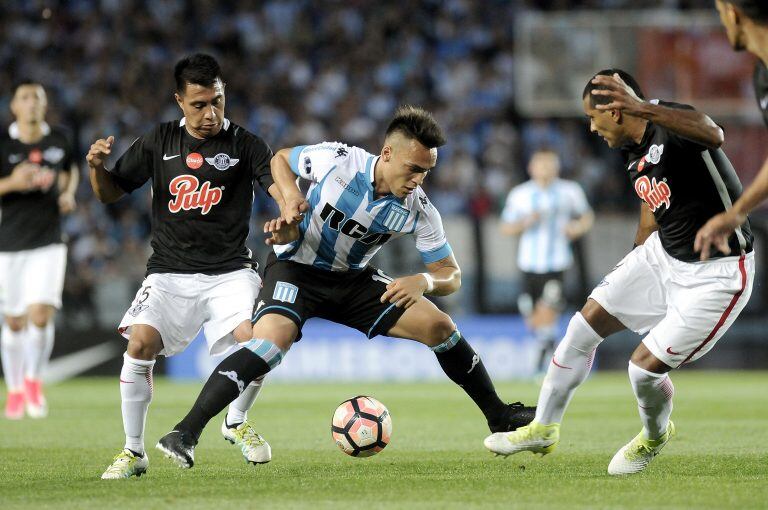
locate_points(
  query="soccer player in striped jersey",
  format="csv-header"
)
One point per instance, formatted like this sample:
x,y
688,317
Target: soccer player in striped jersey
x,y
547,213
660,289
357,201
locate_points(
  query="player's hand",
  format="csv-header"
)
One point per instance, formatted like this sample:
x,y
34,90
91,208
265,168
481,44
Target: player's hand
x,y
294,208
405,291
99,152
44,178
282,232
621,95
67,203
716,232
22,177
572,230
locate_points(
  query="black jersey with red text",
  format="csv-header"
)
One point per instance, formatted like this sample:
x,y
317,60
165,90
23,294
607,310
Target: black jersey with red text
x,y
31,219
760,82
202,194
684,184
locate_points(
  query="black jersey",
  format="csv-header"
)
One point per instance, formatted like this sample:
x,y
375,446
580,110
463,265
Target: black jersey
x,y
31,219
202,194
684,184
760,81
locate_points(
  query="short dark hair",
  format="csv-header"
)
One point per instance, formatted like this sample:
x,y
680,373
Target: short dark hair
x,y
416,123
23,82
596,100
199,69
756,10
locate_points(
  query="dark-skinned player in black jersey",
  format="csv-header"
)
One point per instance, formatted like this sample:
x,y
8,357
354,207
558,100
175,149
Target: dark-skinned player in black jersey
x,y
746,24
203,170
660,289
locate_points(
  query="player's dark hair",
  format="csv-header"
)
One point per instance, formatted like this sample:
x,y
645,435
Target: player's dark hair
x,y
416,123
756,10
23,82
596,100
198,69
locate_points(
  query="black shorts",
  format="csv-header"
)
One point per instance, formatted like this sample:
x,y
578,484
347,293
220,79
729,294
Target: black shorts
x,y
547,287
352,298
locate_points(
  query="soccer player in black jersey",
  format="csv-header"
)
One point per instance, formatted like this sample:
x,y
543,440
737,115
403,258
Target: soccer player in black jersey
x,y
746,23
660,289
203,170
38,179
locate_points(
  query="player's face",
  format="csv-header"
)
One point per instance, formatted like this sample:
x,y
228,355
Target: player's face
x,y
29,103
203,108
604,124
544,166
407,164
730,20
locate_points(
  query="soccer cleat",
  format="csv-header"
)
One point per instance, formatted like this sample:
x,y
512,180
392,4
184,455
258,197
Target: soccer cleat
x,y
515,415
37,407
178,447
255,449
14,406
635,456
535,438
125,465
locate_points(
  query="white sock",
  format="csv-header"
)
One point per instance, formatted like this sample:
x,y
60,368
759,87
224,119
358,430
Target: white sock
x,y
37,349
136,394
238,409
12,354
569,368
654,399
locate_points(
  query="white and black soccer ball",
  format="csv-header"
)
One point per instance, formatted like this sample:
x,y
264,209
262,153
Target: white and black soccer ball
x,y
362,426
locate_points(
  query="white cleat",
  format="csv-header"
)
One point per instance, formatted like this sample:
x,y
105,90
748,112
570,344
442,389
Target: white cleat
x,y
635,456
37,406
535,438
125,465
255,448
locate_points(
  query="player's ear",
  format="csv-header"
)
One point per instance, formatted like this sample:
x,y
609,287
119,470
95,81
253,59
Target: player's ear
x,y
179,99
386,153
616,116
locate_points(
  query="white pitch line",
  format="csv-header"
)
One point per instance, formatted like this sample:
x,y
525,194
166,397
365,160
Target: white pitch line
x,y
70,365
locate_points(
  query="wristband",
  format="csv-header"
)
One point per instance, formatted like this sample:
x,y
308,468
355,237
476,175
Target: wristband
x,y
430,282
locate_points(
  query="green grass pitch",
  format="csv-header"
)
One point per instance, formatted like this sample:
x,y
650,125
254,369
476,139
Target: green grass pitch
x,y
436,459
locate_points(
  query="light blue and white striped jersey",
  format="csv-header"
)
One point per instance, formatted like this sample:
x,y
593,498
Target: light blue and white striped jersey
x,y
544,247
346,225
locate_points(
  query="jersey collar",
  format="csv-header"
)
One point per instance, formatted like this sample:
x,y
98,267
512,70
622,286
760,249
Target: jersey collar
x,y
224,127
13,130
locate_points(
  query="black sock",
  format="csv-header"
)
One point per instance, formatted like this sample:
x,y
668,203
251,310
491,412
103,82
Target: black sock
x,y
226,382
464,367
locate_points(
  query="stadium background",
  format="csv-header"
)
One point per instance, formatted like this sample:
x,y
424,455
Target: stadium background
x,y
503,77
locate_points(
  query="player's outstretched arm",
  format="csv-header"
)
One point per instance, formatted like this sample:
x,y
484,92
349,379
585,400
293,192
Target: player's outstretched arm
x,y
646,226
104,186
443,278
294,204
689,124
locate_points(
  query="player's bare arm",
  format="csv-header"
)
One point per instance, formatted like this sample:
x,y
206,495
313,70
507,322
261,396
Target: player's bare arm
x,y
443,278
646,226
515,228
68,182
576,228
689,124
22,179
104,186
294,203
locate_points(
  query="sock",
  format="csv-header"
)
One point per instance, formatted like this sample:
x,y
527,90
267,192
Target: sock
x,y
654,399
136,394
38,349
227,381
463,366
238,409
570,366
12,354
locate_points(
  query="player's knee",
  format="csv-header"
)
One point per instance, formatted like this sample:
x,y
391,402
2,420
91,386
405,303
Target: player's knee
x,y
144,347
441,326
242,332
16,323
599,319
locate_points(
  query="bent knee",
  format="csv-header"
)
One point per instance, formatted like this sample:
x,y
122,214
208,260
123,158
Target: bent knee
x,y
439,329
144,345
16,323
242,332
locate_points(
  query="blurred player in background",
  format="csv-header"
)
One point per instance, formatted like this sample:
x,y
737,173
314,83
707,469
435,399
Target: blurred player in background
x,y
356,203
660,289
547,213
746,23
203,170
38,179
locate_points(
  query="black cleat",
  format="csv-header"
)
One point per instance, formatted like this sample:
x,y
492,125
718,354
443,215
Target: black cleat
x,y
514,416
179,447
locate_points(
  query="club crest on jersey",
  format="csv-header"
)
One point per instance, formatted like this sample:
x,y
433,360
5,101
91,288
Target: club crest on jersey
x,y
189,194
221,161
653,157
53,154
652,192
285,292
396,218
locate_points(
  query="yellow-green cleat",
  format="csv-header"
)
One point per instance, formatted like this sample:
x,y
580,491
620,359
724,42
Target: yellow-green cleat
x,y
638,453
535,438
255,448
125,465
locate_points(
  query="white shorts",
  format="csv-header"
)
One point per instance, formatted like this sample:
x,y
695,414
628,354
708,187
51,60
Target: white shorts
x,y
685,307
178,305
30,277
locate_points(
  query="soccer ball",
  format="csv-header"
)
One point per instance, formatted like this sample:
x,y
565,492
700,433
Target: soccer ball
x,y
361,426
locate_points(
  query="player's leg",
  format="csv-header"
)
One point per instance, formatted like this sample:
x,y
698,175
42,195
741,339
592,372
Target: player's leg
x,y
545,316
38,347
12,355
